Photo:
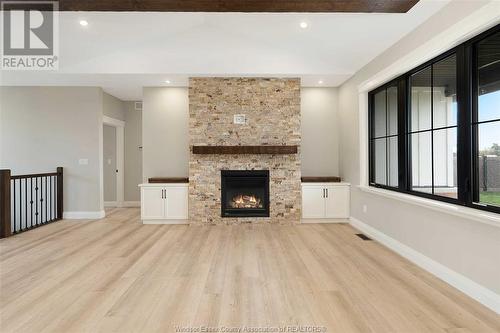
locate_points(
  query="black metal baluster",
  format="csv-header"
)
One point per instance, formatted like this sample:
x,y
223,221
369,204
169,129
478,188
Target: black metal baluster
x,y
46,218
51,198
31,201
55,194
20,206
41,200
26,203
36,200
14,203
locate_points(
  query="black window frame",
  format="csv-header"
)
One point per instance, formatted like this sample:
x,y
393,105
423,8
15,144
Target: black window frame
x,y
398,135
467,111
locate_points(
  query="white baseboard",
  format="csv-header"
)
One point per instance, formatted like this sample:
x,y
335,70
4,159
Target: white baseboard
x,y
122,204
474,290
308,220
131,204
83,215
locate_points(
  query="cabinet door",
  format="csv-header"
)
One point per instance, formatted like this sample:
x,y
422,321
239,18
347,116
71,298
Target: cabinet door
x,y
337,202
152,203
313,203
177,203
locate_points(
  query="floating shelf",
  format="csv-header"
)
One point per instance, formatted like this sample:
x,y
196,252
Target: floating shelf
x,y
226,150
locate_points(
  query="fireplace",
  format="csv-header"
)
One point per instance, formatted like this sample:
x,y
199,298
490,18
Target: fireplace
x,y
245,193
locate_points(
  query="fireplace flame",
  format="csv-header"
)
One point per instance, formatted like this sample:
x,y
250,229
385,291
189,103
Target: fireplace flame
x,y
246,201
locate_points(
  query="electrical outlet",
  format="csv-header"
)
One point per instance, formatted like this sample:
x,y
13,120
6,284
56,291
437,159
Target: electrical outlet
x,y
239,119
365,209
83,161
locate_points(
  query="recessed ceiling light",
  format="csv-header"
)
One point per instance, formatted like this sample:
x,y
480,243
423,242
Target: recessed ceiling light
x,y
303,24
167,81
320,82
84,23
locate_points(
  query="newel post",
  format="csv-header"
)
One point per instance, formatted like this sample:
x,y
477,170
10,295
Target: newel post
x,y
5,220
60,193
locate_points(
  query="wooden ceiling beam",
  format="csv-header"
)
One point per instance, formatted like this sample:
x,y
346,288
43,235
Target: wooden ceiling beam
x,y
253,6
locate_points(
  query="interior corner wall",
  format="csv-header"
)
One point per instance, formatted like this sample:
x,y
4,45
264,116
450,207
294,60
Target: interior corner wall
x,y
319,128
165,138
113,107
465,246
42,128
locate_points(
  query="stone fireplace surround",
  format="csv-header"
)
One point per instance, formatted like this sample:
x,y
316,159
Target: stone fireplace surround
x,y
272,110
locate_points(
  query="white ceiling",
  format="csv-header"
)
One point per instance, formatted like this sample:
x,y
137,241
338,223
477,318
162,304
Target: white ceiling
x,y
123,52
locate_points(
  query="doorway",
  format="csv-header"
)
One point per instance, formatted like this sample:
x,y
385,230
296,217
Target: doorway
x,y
112,162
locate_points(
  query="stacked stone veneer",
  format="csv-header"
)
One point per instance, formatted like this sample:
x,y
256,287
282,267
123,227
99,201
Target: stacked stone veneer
x,y
272,109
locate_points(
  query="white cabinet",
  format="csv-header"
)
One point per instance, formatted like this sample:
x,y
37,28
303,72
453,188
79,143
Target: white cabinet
x,y
337,202
313,203
323,201
177,202
164,203
152,203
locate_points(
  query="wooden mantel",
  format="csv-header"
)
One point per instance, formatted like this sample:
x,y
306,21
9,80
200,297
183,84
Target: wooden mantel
x,y
226,150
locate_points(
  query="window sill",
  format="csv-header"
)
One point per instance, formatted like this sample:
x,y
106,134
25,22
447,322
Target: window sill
x,y
464,212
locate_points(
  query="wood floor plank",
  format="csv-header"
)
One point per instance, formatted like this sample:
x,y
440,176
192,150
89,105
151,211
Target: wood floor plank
x,y
117,275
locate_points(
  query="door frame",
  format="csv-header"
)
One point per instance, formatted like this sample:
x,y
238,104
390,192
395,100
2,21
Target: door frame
x,y
119,125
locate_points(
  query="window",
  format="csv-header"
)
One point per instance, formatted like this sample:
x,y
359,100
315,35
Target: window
x,y
486,121
433,128
384,136
435,131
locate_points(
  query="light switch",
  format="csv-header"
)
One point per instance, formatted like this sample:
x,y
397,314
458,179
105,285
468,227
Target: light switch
x,y
83,161
109,161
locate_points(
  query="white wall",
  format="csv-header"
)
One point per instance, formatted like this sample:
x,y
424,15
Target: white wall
x,y
465,246
42,128
133,152
166,140
319,147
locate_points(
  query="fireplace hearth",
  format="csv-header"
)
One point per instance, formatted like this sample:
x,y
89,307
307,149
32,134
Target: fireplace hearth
x,y
245,193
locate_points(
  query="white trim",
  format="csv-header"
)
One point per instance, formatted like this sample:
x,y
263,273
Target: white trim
x,y
131,204
474,290
363,138
125,204
113,122
84,215
464,212
120,165
120,159
326,220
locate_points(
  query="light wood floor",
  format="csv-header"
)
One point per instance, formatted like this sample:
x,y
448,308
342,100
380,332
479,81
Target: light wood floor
x,y
117,275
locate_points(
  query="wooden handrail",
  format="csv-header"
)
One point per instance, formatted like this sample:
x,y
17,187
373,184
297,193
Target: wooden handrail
x,y
33,175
